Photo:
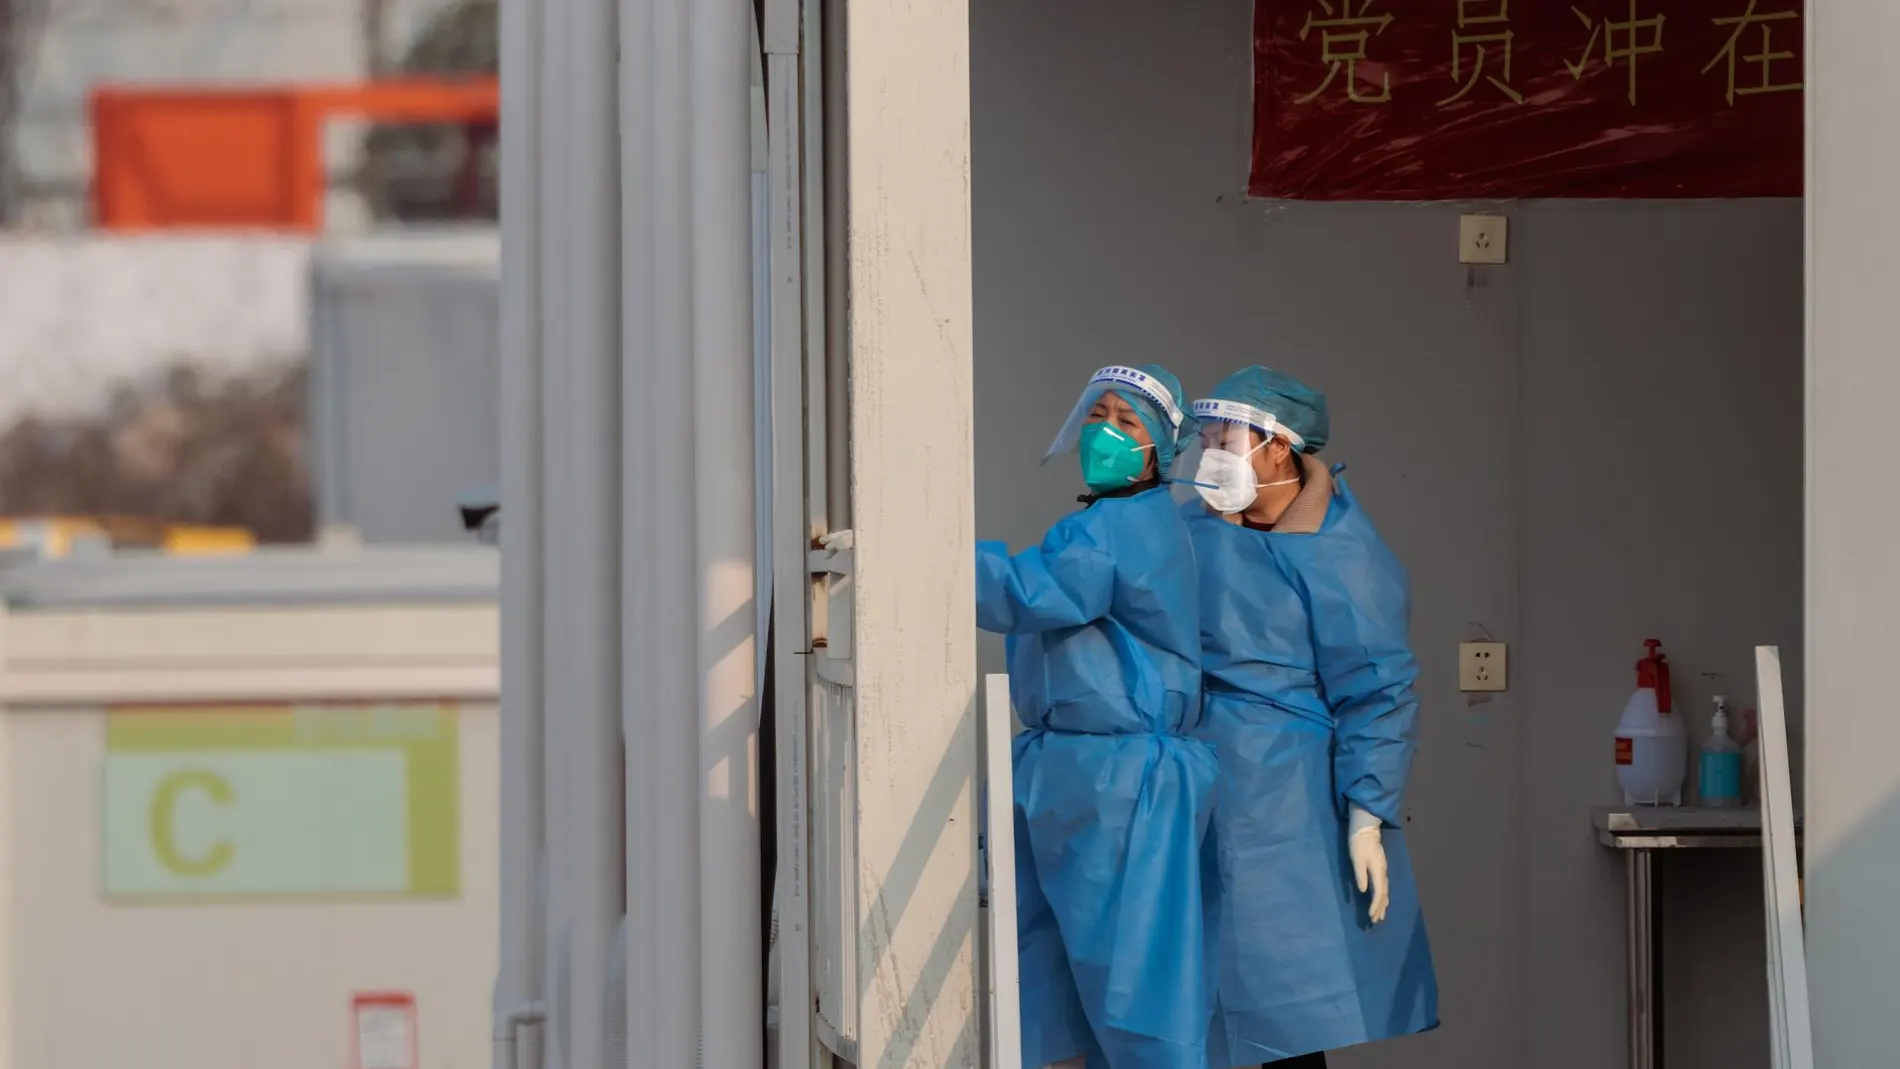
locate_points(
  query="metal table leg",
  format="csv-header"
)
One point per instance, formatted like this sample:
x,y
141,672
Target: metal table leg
x,y
1645,988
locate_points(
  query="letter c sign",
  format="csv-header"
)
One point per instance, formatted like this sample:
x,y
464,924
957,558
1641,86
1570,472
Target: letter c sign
x,y
163,821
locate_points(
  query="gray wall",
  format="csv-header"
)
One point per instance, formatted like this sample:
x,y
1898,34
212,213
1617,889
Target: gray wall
x,y
1596,444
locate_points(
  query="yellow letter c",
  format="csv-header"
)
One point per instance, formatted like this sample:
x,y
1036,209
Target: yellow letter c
x,y
165,803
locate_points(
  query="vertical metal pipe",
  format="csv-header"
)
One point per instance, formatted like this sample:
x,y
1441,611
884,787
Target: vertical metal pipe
x,y
1639,907
817,293
670,444
837,273
639,523
731,1010
518,983
761,356
788,532
595,871
556,503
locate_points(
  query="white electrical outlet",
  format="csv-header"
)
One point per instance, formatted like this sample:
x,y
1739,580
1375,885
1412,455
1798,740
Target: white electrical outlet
x,y
1483,239
1483,667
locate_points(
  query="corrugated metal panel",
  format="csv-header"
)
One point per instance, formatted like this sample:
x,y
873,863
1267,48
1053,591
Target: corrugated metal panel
x,y
405,394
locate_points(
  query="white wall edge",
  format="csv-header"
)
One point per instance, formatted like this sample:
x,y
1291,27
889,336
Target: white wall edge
x,y
356,653
86,688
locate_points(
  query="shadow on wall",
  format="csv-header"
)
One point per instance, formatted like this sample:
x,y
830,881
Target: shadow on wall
x,y
954,947
182,446
1855,938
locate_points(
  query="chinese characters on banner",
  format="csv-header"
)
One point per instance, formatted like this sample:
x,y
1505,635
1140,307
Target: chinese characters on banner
x,y
1456,99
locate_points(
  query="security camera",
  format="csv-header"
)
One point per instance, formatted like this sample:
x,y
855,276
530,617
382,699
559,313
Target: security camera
x,y
481,513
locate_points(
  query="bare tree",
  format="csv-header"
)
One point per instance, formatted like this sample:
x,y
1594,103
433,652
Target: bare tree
x,y
415,173
375,30
183,447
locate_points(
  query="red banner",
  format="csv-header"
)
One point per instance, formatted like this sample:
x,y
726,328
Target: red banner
x,y
1482,99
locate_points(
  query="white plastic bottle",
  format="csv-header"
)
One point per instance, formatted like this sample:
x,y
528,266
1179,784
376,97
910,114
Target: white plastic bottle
x,y
1720,770
1652,742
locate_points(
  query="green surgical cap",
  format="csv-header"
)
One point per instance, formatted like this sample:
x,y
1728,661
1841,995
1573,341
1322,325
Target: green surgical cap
x,y
1293,404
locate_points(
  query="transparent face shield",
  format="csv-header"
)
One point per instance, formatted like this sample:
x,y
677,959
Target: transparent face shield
x,y
1239,428
1096,405
1239,439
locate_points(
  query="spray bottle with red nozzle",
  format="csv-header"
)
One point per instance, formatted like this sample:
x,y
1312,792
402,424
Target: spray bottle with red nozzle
x,y
1652,742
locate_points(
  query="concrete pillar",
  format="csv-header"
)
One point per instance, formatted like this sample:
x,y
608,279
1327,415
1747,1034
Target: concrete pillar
x,y
907,149
1853,570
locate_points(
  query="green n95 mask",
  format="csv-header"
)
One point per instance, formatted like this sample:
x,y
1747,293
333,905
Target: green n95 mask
x,y
1111,460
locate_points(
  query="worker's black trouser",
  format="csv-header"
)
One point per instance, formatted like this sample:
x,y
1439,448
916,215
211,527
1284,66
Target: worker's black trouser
x,y
1315,1060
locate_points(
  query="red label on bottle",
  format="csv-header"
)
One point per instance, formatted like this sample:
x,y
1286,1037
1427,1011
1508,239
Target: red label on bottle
x,y
1625,751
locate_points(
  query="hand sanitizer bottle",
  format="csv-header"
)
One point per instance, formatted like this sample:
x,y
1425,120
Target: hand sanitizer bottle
x,y
1721,765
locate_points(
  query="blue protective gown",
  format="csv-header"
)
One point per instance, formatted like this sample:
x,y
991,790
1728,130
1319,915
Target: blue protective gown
x,y
1113,798
1309,704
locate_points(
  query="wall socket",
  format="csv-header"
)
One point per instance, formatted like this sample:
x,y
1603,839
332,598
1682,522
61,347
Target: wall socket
x,y
1483,239
1483,667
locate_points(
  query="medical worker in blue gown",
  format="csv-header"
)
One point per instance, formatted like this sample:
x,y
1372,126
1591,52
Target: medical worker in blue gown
x,y
1113,797
1309,704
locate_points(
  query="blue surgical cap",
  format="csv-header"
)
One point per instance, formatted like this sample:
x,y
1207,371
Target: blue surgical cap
x,y
1168,442
1293,404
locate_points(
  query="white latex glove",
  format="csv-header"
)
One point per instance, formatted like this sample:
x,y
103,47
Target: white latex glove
x,y
1368,861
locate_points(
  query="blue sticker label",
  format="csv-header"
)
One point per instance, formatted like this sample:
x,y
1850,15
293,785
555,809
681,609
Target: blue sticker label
x,y
1721,777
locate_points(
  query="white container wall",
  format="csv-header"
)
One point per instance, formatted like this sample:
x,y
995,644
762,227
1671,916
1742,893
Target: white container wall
x,y
232,804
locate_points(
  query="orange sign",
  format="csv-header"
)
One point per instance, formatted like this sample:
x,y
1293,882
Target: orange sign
x,y
245,157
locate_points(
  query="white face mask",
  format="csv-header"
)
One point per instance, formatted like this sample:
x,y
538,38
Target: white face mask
x,y
1227,483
